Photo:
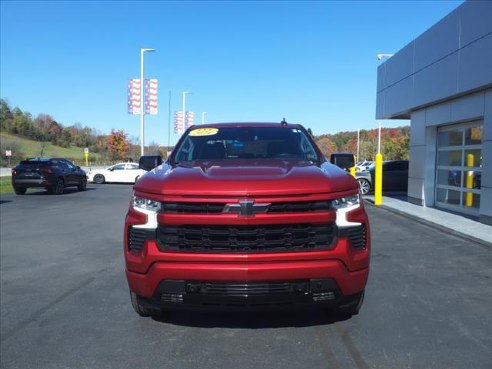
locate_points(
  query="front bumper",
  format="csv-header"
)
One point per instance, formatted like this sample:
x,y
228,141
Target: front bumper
x,y
29,183
247,284
193,295
169,278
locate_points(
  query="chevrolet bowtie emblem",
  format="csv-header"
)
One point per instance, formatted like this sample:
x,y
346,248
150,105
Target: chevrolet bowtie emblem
x,y
246,208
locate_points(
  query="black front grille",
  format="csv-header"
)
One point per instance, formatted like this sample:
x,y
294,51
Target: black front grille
x,y
356,235
245,289
217,208
248,238
300,207
246,294
137,237
192,207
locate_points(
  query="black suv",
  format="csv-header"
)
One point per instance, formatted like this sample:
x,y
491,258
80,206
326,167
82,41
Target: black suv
x,y
149,162
54,174
395,176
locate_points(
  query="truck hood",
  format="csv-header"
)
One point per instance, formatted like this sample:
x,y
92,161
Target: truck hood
x,y
245,178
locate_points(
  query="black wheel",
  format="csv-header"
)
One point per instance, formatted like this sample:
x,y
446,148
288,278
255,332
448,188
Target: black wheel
x,y
351,306
20,191
59,187
365,186
83,184
141,309
99,179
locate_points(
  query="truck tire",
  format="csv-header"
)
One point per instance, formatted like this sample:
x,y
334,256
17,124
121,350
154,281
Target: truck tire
x,y
20,190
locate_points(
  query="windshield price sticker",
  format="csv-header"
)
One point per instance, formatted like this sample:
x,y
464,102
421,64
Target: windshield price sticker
x,y
204,132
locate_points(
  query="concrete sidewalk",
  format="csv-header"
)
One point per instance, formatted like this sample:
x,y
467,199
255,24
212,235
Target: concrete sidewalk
x,y
455,224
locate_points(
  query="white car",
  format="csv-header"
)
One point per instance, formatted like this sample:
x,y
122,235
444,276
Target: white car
x,y
362,166
121,172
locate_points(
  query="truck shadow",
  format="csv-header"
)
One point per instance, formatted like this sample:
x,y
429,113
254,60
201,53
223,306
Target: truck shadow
x,y
249,319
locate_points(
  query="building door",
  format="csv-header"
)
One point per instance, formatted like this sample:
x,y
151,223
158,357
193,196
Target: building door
x,y
459,167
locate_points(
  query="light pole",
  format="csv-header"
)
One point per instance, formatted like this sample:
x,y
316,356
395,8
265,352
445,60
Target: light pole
x,y
358,144
203,116
142,107
184,107
169,124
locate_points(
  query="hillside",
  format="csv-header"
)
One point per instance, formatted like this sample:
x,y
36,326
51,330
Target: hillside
x,y
25,148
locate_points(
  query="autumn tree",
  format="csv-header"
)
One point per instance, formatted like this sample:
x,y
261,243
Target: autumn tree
x,y
326,145
118,145
395,143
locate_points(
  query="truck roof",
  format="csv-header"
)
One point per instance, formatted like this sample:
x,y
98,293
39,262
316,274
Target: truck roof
x,y
247,124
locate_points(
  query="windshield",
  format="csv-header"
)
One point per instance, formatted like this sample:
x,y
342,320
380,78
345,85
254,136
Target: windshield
x,y
246,143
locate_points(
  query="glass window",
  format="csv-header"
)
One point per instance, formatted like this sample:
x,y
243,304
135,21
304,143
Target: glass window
x,y
448,196
471,200
449,177
246,142
69,165
62,164
185,151
450,138
473,135
395,165
473,158
119,167
449,158
459,166
473,179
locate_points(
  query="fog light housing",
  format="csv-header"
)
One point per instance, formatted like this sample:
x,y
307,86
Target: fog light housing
x,y
171,297
324,296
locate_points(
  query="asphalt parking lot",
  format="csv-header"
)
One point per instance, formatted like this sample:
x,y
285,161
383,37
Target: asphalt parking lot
x,y
65,304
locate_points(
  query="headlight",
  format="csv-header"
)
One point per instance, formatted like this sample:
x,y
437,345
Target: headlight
x,y
345,202
146,204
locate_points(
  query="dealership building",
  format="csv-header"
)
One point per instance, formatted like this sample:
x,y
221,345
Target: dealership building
x,y
442,82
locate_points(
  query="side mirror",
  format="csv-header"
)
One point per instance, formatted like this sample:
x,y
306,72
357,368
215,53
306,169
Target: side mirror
x,y
344,160
110,169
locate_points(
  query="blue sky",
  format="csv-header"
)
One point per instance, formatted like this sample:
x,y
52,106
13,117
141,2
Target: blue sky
x,y
312,62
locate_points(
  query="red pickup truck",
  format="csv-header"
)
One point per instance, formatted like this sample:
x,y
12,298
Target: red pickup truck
x,y
246,215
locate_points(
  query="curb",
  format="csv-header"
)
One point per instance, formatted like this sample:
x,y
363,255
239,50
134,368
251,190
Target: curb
x,y
437,226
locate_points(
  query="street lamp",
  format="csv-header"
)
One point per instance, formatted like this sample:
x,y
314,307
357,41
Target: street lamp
x,y
358,144
184,107
203,116
142,107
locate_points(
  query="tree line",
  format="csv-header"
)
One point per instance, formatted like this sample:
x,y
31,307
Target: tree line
x,y
45,129
116,146
395,143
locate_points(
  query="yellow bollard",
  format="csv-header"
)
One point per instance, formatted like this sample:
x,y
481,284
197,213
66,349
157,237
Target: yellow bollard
x,y
352,171
86,159
378,182
470,161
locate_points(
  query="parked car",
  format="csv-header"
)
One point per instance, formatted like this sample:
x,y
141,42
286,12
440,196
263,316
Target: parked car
x,y
54,174
344,160
121,172
149,162
364,165
395,176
